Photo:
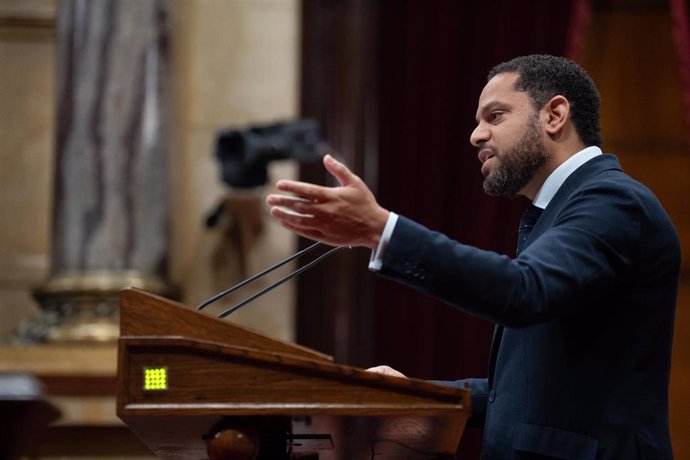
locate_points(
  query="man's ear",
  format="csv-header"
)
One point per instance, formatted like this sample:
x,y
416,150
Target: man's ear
x,y
557,112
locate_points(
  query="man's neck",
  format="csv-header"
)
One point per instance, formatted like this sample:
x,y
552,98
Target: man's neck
x,y
559,155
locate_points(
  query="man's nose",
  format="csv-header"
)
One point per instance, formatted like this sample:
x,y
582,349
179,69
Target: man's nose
x,y
479,135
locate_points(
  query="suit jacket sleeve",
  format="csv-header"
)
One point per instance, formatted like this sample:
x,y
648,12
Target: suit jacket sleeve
x,y
479,391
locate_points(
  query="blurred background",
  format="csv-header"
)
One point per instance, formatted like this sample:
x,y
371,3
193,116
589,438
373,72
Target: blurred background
x,y
110,114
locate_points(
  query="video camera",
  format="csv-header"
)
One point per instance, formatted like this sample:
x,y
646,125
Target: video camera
x,y
245,154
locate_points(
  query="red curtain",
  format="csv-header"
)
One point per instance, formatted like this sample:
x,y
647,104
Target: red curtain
x,y
681,38
433,58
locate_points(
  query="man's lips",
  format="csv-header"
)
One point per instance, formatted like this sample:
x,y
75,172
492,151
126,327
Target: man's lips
x,y
485,155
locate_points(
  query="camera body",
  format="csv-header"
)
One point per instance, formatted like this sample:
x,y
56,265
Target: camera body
x,y
244,155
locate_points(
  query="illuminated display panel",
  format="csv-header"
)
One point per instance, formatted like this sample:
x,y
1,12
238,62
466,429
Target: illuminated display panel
x,y
155,378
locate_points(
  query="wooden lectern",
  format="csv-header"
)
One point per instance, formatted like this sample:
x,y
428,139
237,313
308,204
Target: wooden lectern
x,y
193,387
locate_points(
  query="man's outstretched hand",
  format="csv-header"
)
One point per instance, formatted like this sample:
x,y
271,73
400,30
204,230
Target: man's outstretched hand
x,y
347,215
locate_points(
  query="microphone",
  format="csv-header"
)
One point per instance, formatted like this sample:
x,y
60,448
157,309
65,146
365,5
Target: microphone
x,y
269,288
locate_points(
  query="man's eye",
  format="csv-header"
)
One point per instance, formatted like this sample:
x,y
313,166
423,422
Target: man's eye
x,y
495,116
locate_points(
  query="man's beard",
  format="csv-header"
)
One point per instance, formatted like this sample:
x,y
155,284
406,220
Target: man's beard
x,y
518,164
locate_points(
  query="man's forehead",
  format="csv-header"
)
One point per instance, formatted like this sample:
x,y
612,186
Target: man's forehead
x,y
500,88
501,84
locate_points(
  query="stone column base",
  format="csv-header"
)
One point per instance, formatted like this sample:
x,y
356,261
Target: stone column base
x,y
84,307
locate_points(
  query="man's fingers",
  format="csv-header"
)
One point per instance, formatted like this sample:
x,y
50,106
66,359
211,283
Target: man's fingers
x,y
302,224
318,193
295,203
309,233
290,215
386,370
297,210
339,171
303,189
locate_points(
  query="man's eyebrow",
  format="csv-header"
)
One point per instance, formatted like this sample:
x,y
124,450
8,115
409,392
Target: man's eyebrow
x,y
491,105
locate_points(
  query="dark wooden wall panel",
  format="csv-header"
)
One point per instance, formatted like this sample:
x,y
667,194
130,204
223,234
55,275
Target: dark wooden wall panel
x,y
630,54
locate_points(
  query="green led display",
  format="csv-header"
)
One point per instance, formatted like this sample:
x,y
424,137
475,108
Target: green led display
x,y
155,378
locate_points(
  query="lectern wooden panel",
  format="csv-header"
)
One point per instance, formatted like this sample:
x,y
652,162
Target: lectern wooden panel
x,y
183,377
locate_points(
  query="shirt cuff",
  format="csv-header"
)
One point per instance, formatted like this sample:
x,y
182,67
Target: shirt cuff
x,y
376,260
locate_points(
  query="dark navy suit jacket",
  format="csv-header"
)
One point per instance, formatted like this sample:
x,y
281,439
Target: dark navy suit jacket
x,y
580,365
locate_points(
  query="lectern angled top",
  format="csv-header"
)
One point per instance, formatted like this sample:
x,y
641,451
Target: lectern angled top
x,y
146,314
184,377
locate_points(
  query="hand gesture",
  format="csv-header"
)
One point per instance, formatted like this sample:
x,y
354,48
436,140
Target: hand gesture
x,y
347,215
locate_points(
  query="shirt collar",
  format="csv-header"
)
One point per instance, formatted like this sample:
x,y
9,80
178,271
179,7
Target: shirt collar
x,y
559,175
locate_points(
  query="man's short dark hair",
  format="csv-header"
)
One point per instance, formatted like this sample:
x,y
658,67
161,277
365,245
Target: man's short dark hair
x,y
543,77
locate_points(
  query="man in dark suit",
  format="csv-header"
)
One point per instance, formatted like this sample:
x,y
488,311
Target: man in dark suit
x,y
580,360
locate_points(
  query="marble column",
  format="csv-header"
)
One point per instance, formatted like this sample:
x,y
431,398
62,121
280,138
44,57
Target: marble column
x,y
111,189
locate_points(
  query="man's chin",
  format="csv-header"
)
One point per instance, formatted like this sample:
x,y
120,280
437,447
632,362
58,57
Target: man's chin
x,y
491,188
